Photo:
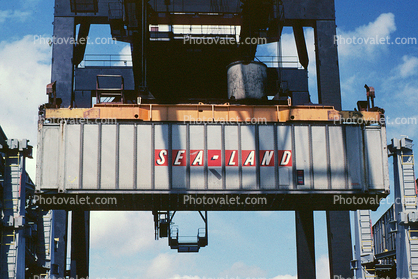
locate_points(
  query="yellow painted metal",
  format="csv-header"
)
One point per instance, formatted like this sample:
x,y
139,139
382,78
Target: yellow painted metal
x,y
8,235
229,113
407,159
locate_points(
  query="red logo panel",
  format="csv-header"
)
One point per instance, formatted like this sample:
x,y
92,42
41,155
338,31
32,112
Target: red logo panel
x,y
179,157
231,158
161,157
197,158
285,158
214,158
248,158
267,158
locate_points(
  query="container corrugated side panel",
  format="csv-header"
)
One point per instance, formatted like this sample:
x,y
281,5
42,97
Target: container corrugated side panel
x,y
48,157
320,158
197,157
232,157
302,155
284,142
162,173
90,157
355,162
266,158
145,157
374,149
153,156
337,158
109,169
215,173
248,156
127,146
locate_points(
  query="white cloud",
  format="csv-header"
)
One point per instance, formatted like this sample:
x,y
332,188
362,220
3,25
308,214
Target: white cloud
x,y
161,266
123,233
287,276
241,270
322,267
125,54
15,15
349,85
362,41
322,270
24,73
409,66
164,265
185,277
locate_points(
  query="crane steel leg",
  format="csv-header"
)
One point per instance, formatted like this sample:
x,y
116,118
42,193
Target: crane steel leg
x,y
305,244
62,62
339,243
58,244
80,228
328,75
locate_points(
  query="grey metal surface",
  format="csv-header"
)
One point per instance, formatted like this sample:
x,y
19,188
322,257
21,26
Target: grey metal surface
x,y
339,244
364,246
232,6
328,75
208,157
384,232
62,53
308,9
15,230
85,78
305,244
406,208
247,80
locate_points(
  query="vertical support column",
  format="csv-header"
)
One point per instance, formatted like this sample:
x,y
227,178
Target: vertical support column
x,y
21,214
13,211
138,44
11,231
339,243
58,244
401,234
80,229
406,208
328,75
305,244
62,58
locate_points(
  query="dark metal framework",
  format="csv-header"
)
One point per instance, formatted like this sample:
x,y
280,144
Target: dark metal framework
x,y
172,72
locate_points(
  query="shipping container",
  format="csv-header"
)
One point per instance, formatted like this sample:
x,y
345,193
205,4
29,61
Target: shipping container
x,y
158,156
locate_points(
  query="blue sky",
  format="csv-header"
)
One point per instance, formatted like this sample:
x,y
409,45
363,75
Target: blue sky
x,y
241,244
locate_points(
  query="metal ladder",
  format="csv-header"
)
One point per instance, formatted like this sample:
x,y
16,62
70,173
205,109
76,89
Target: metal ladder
x,y
364,248
410,203
9,241
47,236
409,190
413,250
366,238
405,207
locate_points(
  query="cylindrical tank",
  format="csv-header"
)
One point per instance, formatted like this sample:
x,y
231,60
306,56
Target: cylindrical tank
x,y
246,80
